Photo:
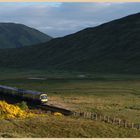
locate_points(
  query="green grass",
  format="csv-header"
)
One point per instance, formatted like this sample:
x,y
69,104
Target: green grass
x,y
108,95
55,127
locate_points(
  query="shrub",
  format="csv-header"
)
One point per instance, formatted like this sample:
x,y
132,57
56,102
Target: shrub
x,y
57,114
12,111
23,105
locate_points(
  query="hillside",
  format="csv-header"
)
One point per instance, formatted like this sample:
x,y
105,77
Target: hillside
x,y
17,35
109,48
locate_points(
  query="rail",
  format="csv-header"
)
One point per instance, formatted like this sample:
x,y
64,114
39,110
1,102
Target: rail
x,y
55,109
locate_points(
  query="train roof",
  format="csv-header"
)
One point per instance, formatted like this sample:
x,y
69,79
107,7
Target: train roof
x,y
21,90
29,91
6,87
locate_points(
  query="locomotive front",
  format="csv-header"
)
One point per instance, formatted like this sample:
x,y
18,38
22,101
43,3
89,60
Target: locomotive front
x,y
43,98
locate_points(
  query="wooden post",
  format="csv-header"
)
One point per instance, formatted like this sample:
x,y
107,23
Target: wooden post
x,y
108,120
96,116
87,115
119,122
84,115
138,126
104,118
90,115
125,124
81,114
132,125
93,116
114,120
75,114
100,118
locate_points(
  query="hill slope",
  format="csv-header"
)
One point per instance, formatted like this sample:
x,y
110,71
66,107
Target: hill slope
x,y
109,48
17,35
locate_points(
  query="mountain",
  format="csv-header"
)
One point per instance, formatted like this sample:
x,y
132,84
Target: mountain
x,y
17,35
113,47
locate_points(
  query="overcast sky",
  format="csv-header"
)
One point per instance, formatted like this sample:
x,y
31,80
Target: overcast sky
x,y
59,19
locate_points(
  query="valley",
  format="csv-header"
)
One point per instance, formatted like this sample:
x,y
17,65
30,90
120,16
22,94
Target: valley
x,y
93,70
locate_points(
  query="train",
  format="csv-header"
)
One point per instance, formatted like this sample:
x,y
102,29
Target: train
x,y
27,95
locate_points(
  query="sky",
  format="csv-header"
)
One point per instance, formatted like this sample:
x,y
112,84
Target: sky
x,y
60,19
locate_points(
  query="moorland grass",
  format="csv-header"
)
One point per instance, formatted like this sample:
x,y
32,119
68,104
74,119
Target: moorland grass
x,y
58,127
112,95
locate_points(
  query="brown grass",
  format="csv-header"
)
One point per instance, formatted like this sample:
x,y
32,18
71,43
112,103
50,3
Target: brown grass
x,y
54,126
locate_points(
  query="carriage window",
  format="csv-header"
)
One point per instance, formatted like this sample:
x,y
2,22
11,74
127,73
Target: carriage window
x,y
43,97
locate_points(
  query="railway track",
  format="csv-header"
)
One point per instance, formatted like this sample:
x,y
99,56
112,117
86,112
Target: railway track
x,y
55,109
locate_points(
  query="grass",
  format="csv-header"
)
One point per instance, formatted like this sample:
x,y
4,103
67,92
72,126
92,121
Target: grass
x,y
108,95
53,126
112,97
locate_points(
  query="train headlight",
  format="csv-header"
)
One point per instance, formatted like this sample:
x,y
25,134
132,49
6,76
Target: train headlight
x,y
43,98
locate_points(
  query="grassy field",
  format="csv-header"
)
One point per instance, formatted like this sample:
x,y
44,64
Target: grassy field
x,y
53,126
109,95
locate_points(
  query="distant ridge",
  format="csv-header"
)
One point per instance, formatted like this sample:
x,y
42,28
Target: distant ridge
x,y
14,35
113,47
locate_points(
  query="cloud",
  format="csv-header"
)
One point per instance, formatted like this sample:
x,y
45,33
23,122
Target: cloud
x,y
59,19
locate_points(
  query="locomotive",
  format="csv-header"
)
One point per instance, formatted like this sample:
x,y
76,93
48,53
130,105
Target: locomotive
x,y
29,95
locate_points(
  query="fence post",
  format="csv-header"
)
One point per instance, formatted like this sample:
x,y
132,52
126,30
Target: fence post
x,y
75,114
108,120
84,114
132,125
114,120
93,116
119,122
138,126
96,117
81,114
100,118
104,118
125,124
89,115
